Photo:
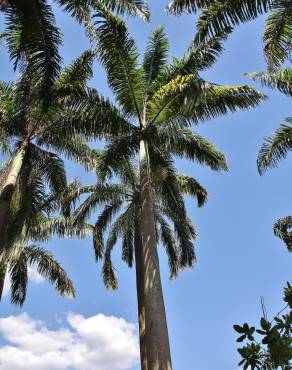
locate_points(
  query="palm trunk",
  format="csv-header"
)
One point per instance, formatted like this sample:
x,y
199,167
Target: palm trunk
x,y
157,341
5,199
140,298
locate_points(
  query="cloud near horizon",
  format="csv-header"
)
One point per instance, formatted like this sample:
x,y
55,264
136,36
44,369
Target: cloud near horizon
x,y
95,343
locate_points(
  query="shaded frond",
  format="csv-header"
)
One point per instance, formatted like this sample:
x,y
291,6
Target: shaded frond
x,y
277,36
50,269
281,80
119,56
168,240
185,143
34,39
189,186
19,278
276,147
282,229
156,54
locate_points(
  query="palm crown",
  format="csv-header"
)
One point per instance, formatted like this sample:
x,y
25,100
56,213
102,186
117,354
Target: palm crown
x,y
121,213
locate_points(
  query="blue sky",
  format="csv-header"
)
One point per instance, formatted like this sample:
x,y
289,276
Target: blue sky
x,y
239,259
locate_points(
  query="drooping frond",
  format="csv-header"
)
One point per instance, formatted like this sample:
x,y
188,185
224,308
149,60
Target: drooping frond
x,y
189,186
281,80
282,229
66,142
51,168
220,100
185,143
19,278
156,54
168,240
276,147
102,223
50,269
45,228
278,34
119,56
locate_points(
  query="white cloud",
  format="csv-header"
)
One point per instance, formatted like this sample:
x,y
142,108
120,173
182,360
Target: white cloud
x,y
96,343
33,276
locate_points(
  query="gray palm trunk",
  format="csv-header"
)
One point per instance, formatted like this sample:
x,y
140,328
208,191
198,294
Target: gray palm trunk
x,y
6,194
156,332
140,297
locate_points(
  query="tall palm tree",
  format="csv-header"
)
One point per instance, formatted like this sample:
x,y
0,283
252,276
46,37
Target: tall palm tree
x,y
36,129
217,15
121,201
276,147
157,102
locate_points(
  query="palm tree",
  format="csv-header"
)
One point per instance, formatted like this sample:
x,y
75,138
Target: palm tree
x,y
157,102
31,221
217,16
122,202
36,129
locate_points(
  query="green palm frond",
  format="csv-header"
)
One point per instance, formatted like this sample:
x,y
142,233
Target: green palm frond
x,y
95,117
278,34
282,229
18,271
102,223
168,240
45,228
71,145
74,77
119,56
186,143
50,269
189,186
156,54
51,168
34,39
218,15
275,148
205,51
280,80
138,8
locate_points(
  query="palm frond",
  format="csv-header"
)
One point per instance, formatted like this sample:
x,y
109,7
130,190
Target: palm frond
x,y
19,278
138,8
73,78
119,56
189,186
278,34
205,51
280,80
218,15
156,54
185,143
276,147
282,229
50,269
102,223
34,39
51,168
168,240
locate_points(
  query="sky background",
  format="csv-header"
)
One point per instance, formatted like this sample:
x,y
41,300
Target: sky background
x,y
239,259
